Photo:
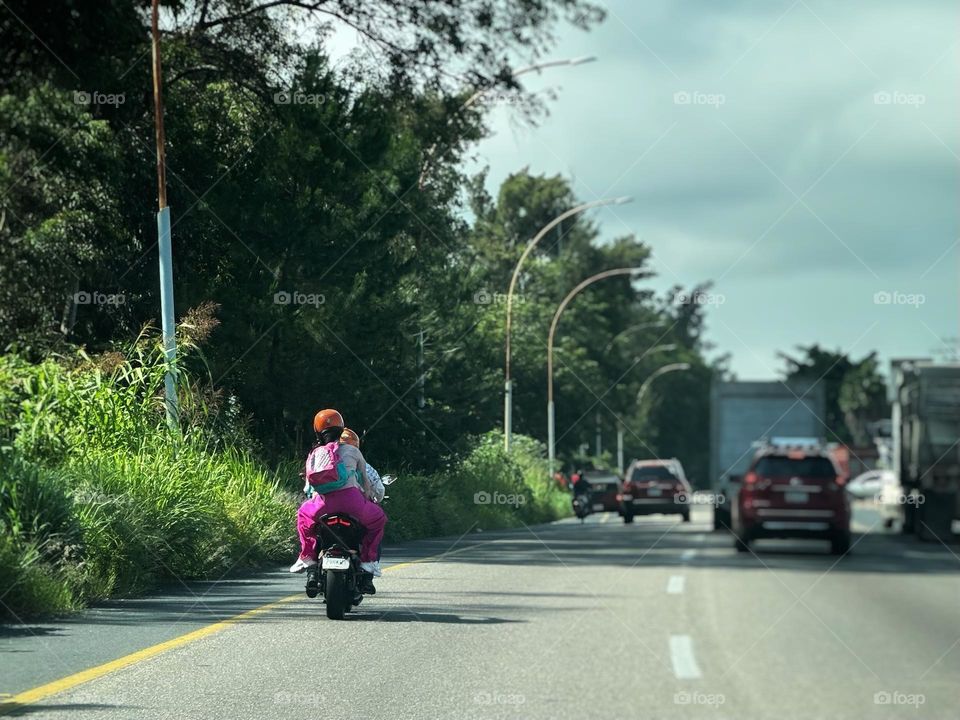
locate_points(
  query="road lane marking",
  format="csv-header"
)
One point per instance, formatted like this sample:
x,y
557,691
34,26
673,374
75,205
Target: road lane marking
x,y
688,554
681,657
606,518
11,703
675,584
27,697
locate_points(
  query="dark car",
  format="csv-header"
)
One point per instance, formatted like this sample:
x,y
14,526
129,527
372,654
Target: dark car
x,y
603,490
792,493
655,486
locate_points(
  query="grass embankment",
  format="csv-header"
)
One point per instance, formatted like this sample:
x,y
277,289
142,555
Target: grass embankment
x,y
98,499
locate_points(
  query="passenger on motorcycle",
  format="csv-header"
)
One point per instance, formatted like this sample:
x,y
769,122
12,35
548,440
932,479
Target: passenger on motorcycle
x,y
337,473
373,486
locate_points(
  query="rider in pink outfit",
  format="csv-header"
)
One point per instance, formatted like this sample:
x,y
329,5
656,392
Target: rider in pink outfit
x,y
349,499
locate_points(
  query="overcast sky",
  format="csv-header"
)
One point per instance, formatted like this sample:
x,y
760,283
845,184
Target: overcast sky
x,y
802,155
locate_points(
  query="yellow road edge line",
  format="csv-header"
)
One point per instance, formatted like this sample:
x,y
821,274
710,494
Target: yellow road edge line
x,y
71,681
9,703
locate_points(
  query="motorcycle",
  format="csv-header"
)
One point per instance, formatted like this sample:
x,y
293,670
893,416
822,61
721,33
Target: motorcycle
x,y
338,576
581,506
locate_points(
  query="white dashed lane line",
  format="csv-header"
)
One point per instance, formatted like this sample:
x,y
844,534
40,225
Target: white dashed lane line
x,y
675,584
682,658
688,554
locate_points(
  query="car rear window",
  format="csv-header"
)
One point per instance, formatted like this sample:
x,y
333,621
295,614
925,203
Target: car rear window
x,y
651,472
778,465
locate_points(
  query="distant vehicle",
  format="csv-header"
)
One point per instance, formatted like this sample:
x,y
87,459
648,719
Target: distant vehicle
x,y
870,485
744,413
655,486
792,491
603,490
926,446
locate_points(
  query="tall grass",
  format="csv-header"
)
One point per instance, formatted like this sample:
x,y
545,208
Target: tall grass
x,y
487,489
98,498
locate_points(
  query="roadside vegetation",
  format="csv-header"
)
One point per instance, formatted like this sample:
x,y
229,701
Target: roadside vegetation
x,y
99,499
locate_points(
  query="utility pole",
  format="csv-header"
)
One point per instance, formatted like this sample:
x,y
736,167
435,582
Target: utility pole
x,y
168,323
599,441
421,382
620,449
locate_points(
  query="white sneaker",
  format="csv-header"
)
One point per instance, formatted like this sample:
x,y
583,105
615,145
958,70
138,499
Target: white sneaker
x,y
372,567
302,564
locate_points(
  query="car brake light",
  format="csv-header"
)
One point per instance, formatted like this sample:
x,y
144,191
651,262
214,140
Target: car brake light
x,y
750,478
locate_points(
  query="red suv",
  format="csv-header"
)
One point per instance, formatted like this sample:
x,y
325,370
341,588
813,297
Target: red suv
x,y
792,492
655,486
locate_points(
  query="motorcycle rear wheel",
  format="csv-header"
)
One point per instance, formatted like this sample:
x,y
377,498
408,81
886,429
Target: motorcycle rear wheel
x,y
336,594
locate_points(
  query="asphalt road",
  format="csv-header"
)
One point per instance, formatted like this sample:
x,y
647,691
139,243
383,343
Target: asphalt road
x,y
658,619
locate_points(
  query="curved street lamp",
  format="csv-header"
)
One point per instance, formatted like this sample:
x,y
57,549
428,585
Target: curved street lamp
x,y
551,427
626,331
508,386
672,367
432,150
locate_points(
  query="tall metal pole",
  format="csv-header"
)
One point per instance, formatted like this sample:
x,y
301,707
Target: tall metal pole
x,y
508,385
551,429
620,448
599,439
168,324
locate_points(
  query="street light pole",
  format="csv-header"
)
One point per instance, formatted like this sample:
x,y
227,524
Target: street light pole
x,y
168,323
508,386
432,150
672,367
551,426
626,331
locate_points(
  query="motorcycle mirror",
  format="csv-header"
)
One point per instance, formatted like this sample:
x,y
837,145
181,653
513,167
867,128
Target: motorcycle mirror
x,y
389,479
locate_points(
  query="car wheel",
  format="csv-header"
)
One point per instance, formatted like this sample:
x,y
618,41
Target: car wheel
x,y
627,519
721,519
686,516
840,543
742,544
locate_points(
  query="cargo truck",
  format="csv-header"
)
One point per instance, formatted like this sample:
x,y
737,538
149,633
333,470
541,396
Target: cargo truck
x,y
926,446
745,413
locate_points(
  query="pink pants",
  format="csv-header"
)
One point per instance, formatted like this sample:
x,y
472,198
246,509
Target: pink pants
x,y
352,502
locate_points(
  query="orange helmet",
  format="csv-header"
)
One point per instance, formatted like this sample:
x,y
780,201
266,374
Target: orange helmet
x,y
327,419
349,437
